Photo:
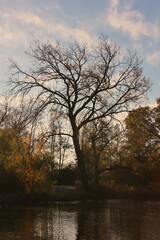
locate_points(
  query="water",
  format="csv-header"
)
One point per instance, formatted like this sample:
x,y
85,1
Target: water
x,y
105,220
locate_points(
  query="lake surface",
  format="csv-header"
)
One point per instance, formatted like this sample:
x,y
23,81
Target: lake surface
x,y
105,220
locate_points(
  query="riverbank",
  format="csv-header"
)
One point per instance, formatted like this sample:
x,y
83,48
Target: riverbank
x,y
59,193
68,194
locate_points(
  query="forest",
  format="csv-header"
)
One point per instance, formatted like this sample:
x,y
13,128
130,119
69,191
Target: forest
x,y
78,116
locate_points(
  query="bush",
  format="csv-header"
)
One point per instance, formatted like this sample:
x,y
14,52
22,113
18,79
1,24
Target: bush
x,y
66,175
9,182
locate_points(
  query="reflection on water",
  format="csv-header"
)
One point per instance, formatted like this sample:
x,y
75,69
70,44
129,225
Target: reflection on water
x,y
56,222
107,220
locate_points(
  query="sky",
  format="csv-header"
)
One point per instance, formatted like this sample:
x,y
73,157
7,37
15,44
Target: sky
x,y
133,24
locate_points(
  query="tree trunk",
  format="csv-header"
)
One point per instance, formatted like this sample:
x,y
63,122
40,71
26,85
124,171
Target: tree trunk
x,y
96,176
80,160
96,165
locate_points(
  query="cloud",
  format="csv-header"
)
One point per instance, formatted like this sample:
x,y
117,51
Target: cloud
x,y
121,16
22,27
154,58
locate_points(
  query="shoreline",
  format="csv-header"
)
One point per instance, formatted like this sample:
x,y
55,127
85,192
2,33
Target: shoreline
x,y
33,199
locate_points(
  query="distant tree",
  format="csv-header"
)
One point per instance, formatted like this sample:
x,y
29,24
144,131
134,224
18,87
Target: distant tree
x,y
29,162
19,114
19,156
100,148
66,175
142,147
85,83
58,142
20,139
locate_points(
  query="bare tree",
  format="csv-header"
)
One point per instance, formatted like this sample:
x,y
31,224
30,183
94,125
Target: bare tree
x,y
100,143
17,113
86,83
59,141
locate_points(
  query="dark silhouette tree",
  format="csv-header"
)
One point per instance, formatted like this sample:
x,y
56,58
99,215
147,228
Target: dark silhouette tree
x,y
84,83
